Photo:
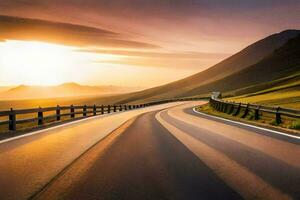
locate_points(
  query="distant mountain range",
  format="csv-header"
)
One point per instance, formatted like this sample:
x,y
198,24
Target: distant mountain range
x,y
63,90
274,57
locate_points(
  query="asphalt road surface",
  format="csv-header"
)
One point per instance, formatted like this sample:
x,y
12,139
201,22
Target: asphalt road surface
x,y
160,152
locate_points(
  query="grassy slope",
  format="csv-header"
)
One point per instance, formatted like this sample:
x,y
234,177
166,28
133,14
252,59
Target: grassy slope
x,y
282,63
289,98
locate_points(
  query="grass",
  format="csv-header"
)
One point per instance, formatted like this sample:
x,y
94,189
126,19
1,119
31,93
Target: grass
x,y
295,125
288,98
266,120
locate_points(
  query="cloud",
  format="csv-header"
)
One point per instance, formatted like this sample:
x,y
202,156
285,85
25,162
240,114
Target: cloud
x,y
166,55
64,33
159,62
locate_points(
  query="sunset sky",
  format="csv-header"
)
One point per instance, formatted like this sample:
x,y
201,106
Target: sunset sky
x,y
140,43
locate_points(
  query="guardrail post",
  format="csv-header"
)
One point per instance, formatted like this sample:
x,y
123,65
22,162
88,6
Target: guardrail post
x,y
57,113
237,110
72,110
12,126
115,108
278,116
95,110
218,106
129,107
231,109
102,109
256,113
125,107
120,108
225,108
40,116
84,111
108,109
221,106
246,111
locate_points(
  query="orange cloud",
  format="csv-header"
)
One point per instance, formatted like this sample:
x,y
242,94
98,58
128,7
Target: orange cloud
x,y
16,28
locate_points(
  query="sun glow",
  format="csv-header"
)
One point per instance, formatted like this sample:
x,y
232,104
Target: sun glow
x,y
40,63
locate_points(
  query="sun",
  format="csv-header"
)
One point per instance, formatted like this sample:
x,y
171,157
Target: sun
x,y
34,63
42,63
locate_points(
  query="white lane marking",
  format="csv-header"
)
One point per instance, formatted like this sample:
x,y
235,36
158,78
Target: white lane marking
x,y
250,186
248,125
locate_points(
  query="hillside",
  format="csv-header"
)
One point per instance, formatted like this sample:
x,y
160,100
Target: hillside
x,y
283,62
63,90
194,85
5,88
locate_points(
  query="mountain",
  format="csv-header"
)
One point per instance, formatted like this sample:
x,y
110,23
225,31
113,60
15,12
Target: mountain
x,y
63,90
283,64
5,88
196,84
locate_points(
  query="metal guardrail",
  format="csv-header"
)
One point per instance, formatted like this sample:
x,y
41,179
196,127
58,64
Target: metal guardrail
x,y
235,109
71,112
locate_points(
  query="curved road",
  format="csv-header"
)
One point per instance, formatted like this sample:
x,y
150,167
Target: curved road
x,y
161,152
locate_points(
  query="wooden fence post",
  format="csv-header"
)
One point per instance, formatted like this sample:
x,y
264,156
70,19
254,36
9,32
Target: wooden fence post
x,y
256,113
237,110
102,109
95,110
115,108
221,106
72,110
125,107
231,109
218,106
40,116
120,109
84,111
278,116
108,109
57,113
12,126
246,111
225,108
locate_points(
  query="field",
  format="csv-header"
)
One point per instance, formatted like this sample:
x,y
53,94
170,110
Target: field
x,y
35,103
289,98
285,94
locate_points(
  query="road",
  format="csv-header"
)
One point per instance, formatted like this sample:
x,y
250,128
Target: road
x,y
160,152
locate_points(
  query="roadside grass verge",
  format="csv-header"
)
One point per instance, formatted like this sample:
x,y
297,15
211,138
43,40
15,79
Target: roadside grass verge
x,y
266,120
